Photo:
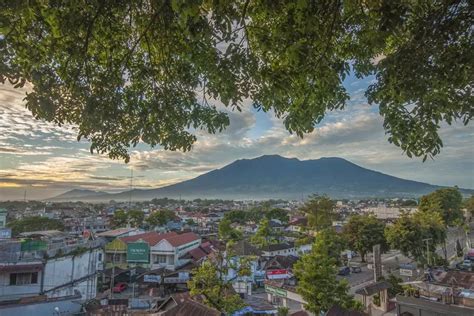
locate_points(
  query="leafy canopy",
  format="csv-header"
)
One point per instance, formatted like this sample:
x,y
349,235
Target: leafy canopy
x,y
447,202
160,218
137,71
317,282
34,223
320,212
409,232
226,232
213,279
363,232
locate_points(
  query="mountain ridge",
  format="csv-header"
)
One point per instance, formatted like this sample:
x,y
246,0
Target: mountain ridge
x,y
274,176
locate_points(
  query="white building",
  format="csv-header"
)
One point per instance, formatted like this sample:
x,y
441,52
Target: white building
x,y
168,252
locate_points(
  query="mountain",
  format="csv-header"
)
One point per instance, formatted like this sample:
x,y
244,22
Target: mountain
x,y
274,176
79,194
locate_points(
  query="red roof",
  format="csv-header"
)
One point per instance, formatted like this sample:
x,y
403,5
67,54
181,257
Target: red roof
x,y
197,253
182,239
152,238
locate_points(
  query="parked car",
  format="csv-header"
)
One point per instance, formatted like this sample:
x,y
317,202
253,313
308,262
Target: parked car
x,y
467,264
344,271
356,269
119,287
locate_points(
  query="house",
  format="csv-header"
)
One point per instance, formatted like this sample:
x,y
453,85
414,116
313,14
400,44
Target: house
x,y
279,267
183,304
169,252
119,232
204,251
297,224
276,225
123,252
285,249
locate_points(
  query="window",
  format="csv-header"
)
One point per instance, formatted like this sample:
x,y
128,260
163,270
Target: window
x,y
100,257
160,259
23,278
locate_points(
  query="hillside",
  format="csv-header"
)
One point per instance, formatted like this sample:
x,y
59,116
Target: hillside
x,y
278,177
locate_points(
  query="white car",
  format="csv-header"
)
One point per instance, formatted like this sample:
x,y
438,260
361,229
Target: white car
x,y
466,263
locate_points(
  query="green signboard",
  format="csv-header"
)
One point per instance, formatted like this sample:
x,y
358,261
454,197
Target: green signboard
x,y
275,290
33,245
138,252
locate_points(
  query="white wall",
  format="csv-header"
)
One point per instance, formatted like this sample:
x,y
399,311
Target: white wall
x,y
67,269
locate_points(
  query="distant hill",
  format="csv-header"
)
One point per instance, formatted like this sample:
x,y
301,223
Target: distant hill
x,y
78,194
274,176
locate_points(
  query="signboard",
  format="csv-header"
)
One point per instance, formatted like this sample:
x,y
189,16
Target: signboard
x,y
138,252
152,278
277,274
175,280
377,263
5,233
275,291
406,272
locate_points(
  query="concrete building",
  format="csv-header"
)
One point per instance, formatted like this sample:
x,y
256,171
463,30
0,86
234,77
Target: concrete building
x,y
170,252
165,250
3,217
40,272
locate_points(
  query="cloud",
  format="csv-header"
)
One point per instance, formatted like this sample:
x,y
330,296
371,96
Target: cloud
x,y
41,156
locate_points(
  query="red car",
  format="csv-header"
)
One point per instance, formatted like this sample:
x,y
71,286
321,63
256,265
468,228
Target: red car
x,y
119,287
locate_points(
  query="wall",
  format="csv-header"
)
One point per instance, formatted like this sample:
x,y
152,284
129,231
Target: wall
x,y
81,268
8,292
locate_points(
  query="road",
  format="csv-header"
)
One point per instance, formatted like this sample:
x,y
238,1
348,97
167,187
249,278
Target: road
x,y
392,260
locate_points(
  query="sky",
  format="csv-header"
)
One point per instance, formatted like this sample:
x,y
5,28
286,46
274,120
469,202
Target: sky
x,y
45,160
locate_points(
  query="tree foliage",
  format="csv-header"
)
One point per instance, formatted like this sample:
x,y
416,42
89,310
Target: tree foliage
x,y
227,232
123,218
468,204
34,223
160,218
317,282
395,288
363,232
279,214
135,71
320,212
447,202
136,218
120,218
211,280
242,217
335,243
208,281
264,234
409,232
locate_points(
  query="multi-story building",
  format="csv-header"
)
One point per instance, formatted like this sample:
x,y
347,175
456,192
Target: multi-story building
x,y
170,252
38,275
151,250
3,217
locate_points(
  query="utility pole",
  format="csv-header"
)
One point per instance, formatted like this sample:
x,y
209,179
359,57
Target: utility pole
x,y
113,275
131,188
